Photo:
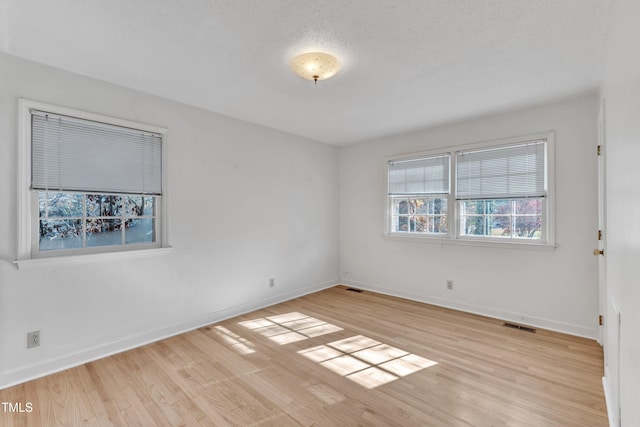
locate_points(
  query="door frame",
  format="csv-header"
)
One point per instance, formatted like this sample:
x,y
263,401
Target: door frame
x,y
602,223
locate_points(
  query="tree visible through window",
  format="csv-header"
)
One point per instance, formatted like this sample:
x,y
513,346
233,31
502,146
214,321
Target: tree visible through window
x,y
505,218
85,220
420,215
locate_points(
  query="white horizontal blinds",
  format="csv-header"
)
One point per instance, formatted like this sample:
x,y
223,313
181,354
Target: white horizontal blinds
x,y
513,171
81,155
426,175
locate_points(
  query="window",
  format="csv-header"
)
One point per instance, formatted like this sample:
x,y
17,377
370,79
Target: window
x,y
501,192
418,195
93,184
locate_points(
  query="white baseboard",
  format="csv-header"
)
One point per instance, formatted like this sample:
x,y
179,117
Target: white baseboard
x,y
553,325
48,367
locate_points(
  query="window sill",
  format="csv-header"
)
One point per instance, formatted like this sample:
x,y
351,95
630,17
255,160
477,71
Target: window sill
x,y
25,264
542,247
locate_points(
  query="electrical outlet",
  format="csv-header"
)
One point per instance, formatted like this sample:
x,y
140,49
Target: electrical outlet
x,y
450,284
33,339
272,283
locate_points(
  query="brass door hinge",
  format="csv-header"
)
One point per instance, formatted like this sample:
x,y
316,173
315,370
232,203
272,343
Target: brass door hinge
x,y
600,320
599,234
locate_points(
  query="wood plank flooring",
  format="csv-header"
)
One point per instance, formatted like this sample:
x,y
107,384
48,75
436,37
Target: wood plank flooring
x,y
333,358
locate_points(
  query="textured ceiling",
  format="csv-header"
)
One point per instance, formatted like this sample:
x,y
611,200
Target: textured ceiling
x,y
407,64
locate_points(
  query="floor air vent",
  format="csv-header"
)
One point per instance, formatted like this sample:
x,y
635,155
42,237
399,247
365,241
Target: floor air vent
x,y
520,327
354,290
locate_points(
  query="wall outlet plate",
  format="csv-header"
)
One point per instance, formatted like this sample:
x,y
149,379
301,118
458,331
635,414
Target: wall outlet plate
x,y
33,339
449,284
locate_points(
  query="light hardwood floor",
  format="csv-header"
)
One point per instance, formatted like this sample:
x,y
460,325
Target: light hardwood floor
x,y
332,358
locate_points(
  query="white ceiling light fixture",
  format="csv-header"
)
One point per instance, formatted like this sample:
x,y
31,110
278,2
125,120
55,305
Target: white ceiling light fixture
x,y
315,66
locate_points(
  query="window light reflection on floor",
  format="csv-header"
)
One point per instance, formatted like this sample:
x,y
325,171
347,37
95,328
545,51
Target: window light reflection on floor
x,y
289,327
365,361
239,344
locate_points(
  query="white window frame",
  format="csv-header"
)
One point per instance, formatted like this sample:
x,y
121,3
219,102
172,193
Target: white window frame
x,y
28,220
547,240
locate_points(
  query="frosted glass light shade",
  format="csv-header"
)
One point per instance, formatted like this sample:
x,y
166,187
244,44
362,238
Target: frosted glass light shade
x,y
315,65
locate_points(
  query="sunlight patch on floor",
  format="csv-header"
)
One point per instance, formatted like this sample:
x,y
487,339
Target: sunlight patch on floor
x,y
344,365
407,365
372,377
366,361
352,344
361,359
320,353
287,338
379,354
290,327
235,341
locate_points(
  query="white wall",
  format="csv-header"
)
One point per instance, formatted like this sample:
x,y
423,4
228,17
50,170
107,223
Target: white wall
x,y
246,204
621,93
556,290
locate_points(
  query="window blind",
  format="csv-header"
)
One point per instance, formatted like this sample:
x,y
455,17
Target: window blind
x,y
71,154
428,175
503,172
